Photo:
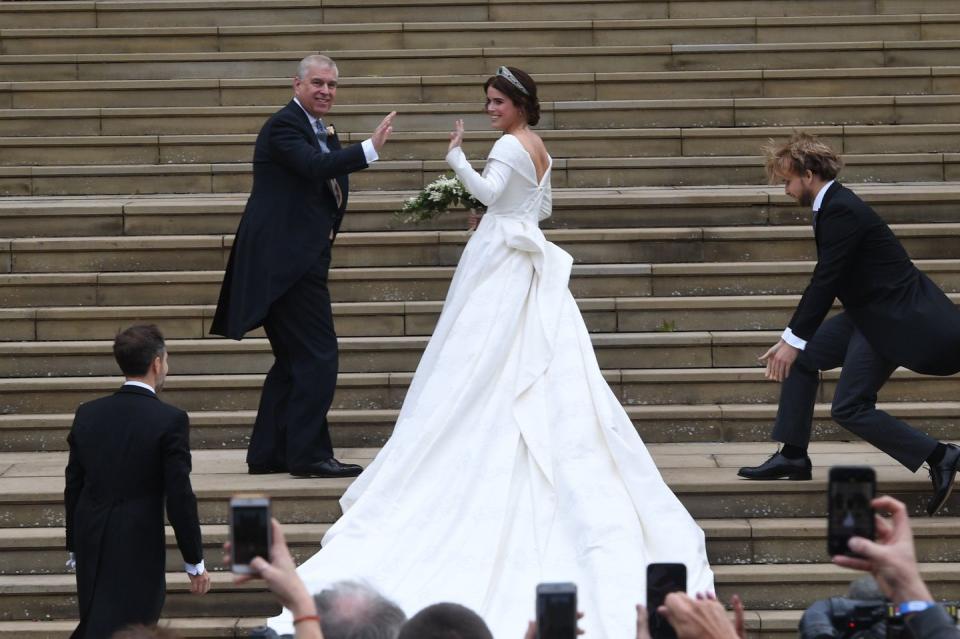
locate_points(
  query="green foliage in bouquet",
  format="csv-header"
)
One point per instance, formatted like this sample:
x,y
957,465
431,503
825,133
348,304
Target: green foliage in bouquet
x,y
441,195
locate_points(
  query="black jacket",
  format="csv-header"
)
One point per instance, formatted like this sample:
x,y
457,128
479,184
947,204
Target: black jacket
x,y
904,316
129,453
287,221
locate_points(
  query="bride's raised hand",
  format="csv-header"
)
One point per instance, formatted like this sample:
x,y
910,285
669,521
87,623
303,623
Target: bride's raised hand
x,y
456,136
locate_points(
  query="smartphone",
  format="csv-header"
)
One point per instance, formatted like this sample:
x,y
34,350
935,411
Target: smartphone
x,y
249,531
849,513
557,611
662,579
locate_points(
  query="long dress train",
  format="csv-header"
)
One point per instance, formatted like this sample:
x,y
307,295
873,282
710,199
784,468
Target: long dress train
x,y
512,462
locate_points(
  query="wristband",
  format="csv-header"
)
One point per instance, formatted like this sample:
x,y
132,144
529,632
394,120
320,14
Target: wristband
x,y
307,618
908,607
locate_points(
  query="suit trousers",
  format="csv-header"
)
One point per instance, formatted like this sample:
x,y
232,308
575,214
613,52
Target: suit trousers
x,y
291,429
838,343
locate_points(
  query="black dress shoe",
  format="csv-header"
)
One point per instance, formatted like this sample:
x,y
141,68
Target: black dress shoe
x,y
327,468
265,470
779,467
942,476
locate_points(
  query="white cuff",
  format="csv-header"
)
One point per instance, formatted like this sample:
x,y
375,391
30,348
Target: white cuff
x,y
369,151
793,340
72,561
194,569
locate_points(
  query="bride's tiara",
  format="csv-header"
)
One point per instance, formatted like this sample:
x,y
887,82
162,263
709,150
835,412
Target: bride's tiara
x,y
504,72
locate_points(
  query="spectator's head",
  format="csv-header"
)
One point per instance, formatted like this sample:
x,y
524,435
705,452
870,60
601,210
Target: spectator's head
x,y
141,353
351,610
801,164
513,97
144,632
315,84
445,621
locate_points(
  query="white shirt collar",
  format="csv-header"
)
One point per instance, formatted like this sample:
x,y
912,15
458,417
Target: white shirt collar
x,y
313,120
819,200
131,382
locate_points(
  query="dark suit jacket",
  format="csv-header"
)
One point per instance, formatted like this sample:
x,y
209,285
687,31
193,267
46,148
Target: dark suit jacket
x,y
288,219
127,452
904,316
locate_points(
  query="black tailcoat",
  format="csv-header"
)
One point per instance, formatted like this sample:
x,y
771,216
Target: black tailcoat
x,y
904,316
287,221
128,452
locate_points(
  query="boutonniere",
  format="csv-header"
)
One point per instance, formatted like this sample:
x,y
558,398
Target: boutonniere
x,y
330,130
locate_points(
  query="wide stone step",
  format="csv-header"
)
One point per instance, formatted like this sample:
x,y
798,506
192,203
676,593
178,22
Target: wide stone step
x,y
380,354
40,551
385,391
414,174
31,432
703,476
188,628
564,143
443,248
463,59
386,319
193,13
575,115
373,211
419,35
436,89
389,284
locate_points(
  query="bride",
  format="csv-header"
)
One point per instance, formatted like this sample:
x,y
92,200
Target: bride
x,y
512,462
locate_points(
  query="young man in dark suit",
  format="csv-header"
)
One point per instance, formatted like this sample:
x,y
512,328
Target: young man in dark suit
x,y
893,315
130,453
277,273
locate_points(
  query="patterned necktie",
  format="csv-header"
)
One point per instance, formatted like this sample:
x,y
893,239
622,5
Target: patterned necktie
x,y
331,183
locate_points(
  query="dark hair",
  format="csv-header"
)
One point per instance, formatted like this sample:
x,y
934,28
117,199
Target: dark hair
x,y
136,347
352,610
529,104
144,632
445,621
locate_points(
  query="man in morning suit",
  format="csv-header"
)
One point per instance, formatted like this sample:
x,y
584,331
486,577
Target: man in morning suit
x,y
128,452
276,276
893,315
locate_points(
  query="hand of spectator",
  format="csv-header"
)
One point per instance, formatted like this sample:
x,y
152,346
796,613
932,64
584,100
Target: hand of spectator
x,y
383,131
200,584
891,558
282,579
697,618
779,358
643,622
532,628
739,616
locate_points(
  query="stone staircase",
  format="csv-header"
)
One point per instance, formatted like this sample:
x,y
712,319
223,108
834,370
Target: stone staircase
x,y
126,132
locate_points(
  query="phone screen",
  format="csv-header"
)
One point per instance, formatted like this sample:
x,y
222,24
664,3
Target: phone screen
x,y
662,579
250,533
556,611
850,514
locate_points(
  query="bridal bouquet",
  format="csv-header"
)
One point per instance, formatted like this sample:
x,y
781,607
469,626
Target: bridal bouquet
x,y
441,195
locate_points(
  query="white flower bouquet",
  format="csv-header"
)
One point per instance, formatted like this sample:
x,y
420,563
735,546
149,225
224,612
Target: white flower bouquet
x,y
441,195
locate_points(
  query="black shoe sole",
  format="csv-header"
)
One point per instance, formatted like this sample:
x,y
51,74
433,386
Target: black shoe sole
x,y
801,476
324,475
934,511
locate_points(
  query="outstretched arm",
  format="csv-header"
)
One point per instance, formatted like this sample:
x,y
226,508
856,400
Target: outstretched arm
x,y
486,187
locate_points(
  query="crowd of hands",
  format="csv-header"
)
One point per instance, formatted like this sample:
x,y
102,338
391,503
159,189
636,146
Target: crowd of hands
x,y
891,559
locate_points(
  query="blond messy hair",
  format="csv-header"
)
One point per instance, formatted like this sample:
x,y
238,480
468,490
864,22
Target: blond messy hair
x,y
801,153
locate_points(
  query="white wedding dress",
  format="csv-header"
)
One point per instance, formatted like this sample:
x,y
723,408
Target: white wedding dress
x,y
512,462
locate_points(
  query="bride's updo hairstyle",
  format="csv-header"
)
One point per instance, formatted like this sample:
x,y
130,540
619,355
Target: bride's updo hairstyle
x,y
520,88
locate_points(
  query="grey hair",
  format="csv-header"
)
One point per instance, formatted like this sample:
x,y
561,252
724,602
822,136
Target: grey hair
x,y
315,60
352,610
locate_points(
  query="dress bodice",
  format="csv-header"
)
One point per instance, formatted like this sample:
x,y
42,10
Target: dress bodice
x,y
508,184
